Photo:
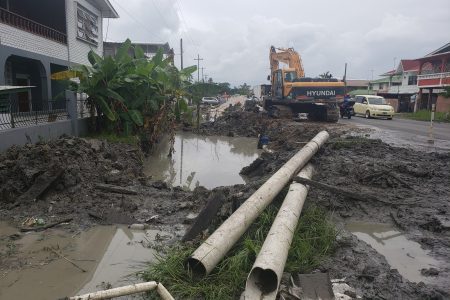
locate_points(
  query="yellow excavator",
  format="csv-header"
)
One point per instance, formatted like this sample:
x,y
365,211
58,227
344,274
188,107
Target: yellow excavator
x,y
293,93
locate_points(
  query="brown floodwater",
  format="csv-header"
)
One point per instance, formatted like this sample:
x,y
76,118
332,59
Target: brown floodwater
x,y
402,254
209,161
111,256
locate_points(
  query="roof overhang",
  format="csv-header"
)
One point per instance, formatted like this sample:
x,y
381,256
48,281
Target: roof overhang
x,y
9,89
106,8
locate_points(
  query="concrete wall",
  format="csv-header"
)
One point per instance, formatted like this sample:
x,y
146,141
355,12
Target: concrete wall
x,y
47,131
393,102
442,104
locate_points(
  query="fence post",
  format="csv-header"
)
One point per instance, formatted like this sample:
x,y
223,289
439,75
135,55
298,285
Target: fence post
x,y
72,111
11,111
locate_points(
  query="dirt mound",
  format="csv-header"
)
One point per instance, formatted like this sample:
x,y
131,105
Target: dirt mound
x,y
83,162
99,183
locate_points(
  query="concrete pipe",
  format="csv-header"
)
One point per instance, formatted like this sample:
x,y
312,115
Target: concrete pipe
x,y
127,290
208,255
264,278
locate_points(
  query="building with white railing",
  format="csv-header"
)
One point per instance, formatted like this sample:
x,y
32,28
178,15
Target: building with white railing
x,y
399,86
38,38
434,75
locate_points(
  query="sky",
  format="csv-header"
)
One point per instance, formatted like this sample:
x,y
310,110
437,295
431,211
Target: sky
x,y
233,37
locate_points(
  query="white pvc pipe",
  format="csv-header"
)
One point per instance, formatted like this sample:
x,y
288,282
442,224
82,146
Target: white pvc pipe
x,y
208,255
127,290
264,278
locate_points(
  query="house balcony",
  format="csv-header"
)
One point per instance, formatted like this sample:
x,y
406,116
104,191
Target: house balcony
x,y
403,89
434,80
15,20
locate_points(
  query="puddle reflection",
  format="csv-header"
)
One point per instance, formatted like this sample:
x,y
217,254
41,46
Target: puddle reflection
x,y
198,160
402,254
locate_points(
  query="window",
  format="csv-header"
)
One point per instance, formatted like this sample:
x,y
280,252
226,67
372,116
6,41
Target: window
x,y
412,80
87,25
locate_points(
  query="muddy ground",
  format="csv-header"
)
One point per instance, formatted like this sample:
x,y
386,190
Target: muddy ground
x,y
413,185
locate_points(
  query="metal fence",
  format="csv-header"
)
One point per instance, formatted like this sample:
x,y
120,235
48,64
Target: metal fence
x,y
14,115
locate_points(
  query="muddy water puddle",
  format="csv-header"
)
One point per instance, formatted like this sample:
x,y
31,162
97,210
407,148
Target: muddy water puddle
x,y
209,161
110,256
402,254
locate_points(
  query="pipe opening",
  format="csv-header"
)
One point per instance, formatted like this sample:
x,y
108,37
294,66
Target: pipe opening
x,y
196,267
265,279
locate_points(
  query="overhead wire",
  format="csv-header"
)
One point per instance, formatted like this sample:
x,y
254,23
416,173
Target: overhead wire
x,y
139,22
183,20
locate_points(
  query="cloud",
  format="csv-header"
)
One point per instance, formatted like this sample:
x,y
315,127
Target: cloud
x,y
234,36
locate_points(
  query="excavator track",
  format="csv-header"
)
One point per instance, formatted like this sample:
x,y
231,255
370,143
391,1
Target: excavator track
x,y
325,113
281,112
332,113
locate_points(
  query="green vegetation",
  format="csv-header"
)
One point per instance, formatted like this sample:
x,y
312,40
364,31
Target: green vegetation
x,y
131,93
425,115
313,240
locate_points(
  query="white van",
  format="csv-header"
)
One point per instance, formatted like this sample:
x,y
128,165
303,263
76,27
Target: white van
x,y
373,106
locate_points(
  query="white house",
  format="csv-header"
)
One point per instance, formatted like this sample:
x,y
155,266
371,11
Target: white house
x,y
38,38
399,86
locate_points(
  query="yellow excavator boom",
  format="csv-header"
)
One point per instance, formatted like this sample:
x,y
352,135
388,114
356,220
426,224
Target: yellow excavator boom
x,y
288,56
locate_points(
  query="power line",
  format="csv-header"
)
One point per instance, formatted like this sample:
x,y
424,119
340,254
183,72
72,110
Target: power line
x,y
139,22
160,14
183,19
198,59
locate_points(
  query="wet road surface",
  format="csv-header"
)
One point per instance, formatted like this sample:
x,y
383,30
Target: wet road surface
x,y
441,130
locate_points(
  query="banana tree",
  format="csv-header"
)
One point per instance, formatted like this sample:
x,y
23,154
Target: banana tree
x,y
132,92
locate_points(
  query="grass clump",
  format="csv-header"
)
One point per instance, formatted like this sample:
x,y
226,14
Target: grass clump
x,y
425,115
313,240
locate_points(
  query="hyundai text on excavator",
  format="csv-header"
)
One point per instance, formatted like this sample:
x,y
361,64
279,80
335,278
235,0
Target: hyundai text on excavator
x,y
293,93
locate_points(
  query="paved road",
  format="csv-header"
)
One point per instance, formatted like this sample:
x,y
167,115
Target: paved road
x,y
403,126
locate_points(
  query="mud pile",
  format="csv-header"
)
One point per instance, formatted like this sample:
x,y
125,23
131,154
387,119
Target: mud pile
x,y
83,162
412,185
78,192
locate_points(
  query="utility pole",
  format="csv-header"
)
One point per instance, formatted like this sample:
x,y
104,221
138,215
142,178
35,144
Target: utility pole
x,y
181,52
198,59
203,78
345,79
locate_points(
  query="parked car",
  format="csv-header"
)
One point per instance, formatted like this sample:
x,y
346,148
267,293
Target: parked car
x,y
373,106
210,100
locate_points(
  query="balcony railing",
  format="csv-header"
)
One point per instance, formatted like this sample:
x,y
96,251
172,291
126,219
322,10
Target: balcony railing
x,y
437,79
25,24
434,75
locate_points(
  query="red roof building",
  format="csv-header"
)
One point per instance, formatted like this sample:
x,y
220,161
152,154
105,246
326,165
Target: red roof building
x,y
434,75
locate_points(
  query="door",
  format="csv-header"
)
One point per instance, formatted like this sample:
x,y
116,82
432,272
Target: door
x,y
357,106
23,98
364,105
278,85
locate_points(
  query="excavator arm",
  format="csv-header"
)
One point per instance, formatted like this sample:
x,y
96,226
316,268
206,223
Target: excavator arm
x,y
288,56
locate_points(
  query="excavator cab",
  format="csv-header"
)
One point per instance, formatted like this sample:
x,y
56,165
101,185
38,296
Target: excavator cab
x,y
290,76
